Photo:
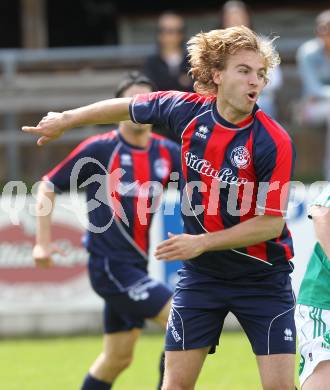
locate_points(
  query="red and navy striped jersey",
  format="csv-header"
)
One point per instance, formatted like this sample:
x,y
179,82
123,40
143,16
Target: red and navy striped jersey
x,y
120,181
231,173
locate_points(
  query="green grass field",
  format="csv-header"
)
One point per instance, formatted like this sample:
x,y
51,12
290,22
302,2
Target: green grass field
x,y
61,363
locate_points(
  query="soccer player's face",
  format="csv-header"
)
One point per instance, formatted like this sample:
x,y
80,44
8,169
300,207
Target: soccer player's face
x,y
241,82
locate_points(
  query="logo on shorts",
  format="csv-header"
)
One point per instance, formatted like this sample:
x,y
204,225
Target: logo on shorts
x,y
288,335
202,131
140,292
301,364
240,157
171,327
138,295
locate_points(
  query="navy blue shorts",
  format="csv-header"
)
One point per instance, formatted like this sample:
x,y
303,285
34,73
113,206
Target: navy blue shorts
x,y
263,307
130,295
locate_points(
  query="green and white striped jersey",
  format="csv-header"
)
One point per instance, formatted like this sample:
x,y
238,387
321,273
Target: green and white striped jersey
x,y
315,287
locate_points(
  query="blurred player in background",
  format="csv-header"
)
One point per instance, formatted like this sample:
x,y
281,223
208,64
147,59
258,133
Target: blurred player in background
x,y
237,164
168,68
118,254
313,309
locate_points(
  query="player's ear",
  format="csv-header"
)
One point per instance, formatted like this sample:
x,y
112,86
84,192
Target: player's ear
x,y
217,76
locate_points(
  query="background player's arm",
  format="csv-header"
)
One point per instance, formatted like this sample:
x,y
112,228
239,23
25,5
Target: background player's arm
x,y
54,124
321,220
44,248
250,232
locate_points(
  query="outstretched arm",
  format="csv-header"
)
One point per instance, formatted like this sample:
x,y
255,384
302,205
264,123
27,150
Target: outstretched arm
x,y
321,220
54,124
44,248
253,231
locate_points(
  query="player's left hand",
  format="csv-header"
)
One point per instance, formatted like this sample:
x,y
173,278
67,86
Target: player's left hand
x,y
42,254
49,128
181,246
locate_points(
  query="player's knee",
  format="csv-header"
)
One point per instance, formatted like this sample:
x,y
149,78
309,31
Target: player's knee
x,y
162,316
177,383
117,361
162,322
124,362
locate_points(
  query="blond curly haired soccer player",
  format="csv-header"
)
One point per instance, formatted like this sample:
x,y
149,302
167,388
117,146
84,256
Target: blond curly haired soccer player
x,y
236,167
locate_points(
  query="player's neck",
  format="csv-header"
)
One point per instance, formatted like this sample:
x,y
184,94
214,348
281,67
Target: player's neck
x,y
230,114
134,137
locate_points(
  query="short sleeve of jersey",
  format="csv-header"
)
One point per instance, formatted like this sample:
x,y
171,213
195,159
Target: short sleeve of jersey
x,y
274,168
176,157
170,108
76,167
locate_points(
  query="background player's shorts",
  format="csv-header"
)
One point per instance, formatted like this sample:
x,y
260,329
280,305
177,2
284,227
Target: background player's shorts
x,y
264,308
130,295
313,330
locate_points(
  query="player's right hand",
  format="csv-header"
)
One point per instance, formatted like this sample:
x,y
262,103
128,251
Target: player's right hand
x,y
42,254
49,128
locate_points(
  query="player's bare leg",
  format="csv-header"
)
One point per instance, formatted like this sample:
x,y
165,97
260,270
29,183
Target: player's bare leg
x,y
162,316
319,379
161,319
182,368
277,371
116,356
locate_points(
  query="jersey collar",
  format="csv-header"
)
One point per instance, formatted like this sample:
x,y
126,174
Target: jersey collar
x,y
247,122
138,148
